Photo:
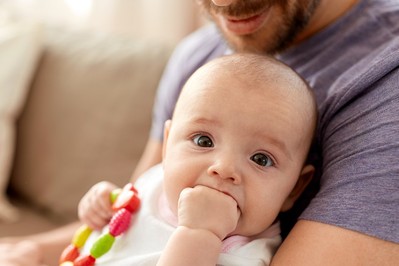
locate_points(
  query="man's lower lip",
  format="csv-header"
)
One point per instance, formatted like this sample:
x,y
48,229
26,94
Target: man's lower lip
x,y
245,26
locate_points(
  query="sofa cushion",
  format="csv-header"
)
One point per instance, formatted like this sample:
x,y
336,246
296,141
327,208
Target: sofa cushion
x,y
87,117
20,48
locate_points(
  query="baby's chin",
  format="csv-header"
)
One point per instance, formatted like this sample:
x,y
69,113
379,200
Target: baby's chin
x,y
248,230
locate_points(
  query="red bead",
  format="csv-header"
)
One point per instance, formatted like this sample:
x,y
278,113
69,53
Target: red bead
x,y
128,199
70,253
120,222
129,186
86,260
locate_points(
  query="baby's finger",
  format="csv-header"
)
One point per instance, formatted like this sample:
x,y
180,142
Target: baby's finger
x,y
98,210
105,205
92,217
103,196
94,221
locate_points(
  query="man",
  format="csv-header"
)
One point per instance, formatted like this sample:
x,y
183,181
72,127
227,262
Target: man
x,y
349,53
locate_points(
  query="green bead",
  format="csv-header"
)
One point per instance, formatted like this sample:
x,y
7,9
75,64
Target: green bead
x,y
114,194
102,245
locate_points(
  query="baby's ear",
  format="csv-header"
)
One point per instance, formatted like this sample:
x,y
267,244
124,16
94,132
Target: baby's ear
x,y
165,136
303,180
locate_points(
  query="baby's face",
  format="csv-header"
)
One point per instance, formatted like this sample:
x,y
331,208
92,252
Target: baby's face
x,y
246,143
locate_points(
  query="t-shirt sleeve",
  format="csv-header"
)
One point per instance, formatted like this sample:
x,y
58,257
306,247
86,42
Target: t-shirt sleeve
x,y
168,91
359,187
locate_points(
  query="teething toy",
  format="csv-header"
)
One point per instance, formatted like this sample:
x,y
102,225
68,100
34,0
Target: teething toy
x,y
125,202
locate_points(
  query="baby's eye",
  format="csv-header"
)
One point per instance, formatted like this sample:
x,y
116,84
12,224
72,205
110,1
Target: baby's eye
x,y
262,159
203,141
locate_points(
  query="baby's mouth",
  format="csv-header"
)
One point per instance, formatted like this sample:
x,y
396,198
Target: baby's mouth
x,y
228,194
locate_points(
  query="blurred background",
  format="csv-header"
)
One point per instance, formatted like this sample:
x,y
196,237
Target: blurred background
x,y
77,84
158,20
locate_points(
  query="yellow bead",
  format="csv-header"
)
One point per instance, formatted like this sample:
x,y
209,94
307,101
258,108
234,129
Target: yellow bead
x,y
81,235
67,263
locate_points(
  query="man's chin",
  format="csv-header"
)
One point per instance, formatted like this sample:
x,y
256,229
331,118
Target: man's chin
x,y
251,43
245,44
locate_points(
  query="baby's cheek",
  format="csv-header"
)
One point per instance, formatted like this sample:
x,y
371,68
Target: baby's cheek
x,y
257,218
172,196
250,226
174,202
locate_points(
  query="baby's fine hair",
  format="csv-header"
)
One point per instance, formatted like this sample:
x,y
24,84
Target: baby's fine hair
x,y
260,69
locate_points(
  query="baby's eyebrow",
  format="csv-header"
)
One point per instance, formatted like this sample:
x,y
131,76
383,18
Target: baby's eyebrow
x,y
205,121
280,144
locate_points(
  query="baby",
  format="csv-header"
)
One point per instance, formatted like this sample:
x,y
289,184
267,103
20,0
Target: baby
x,y
234,156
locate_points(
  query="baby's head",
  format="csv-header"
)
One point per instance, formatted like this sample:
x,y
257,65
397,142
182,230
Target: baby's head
x,y
243,125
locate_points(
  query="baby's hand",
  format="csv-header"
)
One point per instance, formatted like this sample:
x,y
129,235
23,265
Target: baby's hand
x,y
206,208
95,208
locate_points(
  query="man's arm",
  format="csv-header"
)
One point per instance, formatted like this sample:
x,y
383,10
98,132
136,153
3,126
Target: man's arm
x,y
151,156
312,243
47,245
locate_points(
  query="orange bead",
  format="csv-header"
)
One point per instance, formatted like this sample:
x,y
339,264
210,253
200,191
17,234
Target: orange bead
x,y
70,253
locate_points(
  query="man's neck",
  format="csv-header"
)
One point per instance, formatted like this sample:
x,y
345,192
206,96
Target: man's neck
x,y
326,13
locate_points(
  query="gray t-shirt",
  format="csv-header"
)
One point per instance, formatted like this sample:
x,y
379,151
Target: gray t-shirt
x,y
353,66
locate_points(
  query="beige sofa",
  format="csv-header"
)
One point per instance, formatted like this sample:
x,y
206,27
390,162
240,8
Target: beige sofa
x,y
86,118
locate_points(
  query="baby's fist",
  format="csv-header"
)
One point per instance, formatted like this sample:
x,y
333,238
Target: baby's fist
x,y
95,208
202,207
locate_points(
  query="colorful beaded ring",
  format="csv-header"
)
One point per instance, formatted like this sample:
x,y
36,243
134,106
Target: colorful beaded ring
x,y
125,202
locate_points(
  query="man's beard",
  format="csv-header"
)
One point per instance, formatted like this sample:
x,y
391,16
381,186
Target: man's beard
x,y
284,27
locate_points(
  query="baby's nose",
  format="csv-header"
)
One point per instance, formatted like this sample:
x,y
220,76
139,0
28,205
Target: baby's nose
x,y
227,169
